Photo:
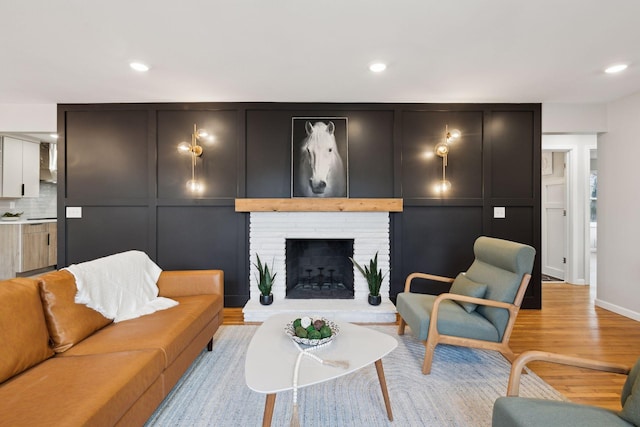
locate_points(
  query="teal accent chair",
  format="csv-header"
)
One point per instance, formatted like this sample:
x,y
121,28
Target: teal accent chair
x,y
514,411
481,306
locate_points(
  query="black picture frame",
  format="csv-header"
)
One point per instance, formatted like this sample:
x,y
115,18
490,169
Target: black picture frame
x,y
319,167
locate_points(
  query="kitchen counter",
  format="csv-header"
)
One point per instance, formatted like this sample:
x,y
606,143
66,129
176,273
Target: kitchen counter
x,y
26,221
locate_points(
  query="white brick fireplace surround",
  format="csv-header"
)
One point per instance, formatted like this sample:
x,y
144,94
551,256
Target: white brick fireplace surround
x,y
268,232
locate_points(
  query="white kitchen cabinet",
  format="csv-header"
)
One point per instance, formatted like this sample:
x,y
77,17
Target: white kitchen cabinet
x,y
20,168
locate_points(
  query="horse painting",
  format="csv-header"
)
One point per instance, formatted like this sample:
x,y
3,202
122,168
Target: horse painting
x,y
321,172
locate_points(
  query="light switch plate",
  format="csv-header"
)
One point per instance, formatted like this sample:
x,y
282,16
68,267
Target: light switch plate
x,y
74,211
499,212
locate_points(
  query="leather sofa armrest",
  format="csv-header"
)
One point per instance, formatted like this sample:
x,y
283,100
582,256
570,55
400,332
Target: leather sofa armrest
x,y
191,282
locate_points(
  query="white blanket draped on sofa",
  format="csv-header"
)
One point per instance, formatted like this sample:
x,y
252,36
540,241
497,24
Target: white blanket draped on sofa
x,y
121,286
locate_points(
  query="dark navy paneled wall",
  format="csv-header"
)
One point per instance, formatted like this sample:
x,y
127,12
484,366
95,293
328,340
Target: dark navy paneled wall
x,y
119,162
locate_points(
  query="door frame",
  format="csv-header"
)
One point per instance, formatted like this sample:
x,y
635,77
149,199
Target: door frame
x,y
577,148
544,222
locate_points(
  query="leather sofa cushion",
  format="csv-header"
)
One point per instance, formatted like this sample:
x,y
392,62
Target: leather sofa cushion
x,y
170,330
94,390
181,283
25,340
68,322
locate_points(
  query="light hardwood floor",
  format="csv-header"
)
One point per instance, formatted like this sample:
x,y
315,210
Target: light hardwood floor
x,y
568,323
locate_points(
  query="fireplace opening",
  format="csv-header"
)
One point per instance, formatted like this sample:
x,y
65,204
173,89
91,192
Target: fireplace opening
x,y
319,268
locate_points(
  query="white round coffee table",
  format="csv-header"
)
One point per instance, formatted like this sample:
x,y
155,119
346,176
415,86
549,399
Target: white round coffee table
x,y
271,357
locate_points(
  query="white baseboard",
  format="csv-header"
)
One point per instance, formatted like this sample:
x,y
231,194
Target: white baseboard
x,y
617,309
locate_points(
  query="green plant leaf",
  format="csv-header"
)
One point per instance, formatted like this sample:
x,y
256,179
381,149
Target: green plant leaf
x,y
372,274
265,279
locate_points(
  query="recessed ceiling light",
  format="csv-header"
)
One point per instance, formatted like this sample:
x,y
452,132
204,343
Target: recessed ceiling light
x,y
616,68
53,135
139,66
378,67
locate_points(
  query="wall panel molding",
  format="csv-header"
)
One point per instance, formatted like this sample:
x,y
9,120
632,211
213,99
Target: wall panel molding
x,y
117,161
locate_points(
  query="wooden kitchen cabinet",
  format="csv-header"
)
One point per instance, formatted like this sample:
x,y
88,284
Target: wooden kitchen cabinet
x,y
9,250
53,244
35,246
27,247
20,168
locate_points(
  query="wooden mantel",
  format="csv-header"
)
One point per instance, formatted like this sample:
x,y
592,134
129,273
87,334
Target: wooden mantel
x,y
311,204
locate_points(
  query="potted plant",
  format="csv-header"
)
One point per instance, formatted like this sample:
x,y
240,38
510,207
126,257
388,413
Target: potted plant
x,y
11,216
374,279
265,281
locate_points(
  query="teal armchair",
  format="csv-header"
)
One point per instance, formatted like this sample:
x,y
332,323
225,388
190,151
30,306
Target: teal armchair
x,y
481,306
514,411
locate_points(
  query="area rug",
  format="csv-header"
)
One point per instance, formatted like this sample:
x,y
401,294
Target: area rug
x,y
460,390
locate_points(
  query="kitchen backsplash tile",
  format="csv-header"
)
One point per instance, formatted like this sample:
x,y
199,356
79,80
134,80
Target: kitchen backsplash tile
x,y
44,206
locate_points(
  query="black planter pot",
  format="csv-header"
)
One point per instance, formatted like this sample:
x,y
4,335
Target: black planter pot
x,y
375,299
267,299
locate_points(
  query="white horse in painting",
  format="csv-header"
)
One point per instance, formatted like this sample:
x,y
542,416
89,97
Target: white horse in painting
x,y
321,172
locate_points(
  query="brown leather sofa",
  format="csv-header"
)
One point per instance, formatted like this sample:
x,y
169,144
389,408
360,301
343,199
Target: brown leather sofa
x,y
64,364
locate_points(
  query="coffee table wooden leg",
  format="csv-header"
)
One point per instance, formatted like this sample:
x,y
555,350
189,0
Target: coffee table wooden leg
x,y
383,386
269,404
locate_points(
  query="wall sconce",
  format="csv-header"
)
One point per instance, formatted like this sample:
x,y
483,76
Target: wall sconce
x,y
442,150
195,151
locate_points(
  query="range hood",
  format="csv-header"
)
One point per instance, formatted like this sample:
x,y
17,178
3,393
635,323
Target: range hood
x,y
48,162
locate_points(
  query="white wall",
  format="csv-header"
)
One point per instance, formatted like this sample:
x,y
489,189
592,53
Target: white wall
x,y
574,118
619,209
28,117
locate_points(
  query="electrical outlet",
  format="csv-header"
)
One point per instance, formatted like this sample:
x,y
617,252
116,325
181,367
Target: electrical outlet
x,y
74,212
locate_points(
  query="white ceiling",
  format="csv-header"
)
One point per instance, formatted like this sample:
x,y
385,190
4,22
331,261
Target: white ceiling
x,y
78,51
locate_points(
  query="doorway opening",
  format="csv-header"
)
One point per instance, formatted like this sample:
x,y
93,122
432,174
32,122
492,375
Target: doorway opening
x,y
554,216
580,152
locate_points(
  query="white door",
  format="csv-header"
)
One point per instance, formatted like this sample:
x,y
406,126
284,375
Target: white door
x,y
555,219
12,168
21,168
31,169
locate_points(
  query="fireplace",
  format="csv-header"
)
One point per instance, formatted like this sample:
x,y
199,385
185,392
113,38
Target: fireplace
x,y
319,268
274,233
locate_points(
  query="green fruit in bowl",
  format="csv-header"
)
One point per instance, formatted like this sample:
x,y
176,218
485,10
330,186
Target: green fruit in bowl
x,y
312,329
325,332
314,335
301,332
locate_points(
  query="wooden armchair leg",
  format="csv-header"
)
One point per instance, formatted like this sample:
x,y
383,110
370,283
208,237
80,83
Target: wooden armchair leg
x,y
428,357
401,326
